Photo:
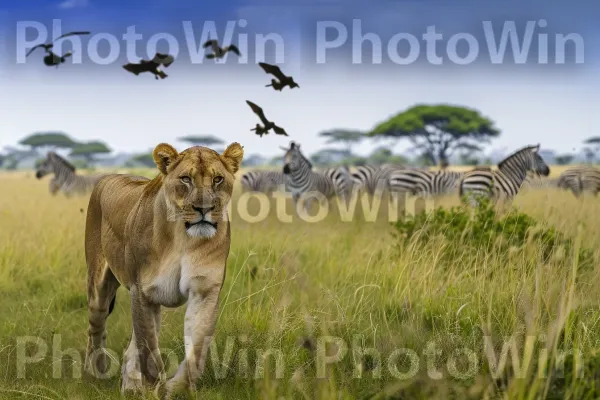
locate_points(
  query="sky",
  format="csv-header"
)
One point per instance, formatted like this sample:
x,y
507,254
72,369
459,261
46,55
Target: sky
x,y
545,93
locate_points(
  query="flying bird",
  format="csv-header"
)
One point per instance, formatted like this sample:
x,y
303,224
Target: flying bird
x,y
267,125
51,59
152,66
281,80
218,51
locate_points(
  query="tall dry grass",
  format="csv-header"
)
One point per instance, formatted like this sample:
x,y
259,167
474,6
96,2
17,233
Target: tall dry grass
x,y
291,286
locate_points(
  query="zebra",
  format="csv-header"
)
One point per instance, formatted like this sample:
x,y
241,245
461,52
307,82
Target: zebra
x,y
580,179
65,179
424,183
262,181
342,180
505,182
300,178
374,179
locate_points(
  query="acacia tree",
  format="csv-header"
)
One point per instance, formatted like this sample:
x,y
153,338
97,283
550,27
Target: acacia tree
x,y
436,131
468,154
49,141
89,150
383,155
146,159
346,137
206,141
593,149
329,156
564,159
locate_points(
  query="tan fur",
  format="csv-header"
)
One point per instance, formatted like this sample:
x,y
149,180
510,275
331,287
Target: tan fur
x,y
136,236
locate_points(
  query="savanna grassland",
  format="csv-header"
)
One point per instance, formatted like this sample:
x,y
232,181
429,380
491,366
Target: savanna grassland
x,y
508,317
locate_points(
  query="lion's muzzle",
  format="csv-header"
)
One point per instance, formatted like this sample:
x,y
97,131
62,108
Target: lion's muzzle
x,y
204,226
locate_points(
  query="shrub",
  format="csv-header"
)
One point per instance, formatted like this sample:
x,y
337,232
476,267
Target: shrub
x,y
482,229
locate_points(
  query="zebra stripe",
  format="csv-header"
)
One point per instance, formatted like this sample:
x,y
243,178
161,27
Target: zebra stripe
x,y
341,179
262,181
508,179
579,180
424,183
300,178
371,178
65,179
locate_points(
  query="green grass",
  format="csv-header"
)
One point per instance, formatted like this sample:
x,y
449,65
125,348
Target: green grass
x,y
291,285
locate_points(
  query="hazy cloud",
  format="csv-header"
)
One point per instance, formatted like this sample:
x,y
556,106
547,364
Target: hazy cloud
x,y
67,4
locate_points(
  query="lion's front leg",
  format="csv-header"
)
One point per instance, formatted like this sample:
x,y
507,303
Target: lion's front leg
x,y
145,332
199,325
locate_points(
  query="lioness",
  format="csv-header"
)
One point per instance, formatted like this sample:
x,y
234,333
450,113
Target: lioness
x,y
166,240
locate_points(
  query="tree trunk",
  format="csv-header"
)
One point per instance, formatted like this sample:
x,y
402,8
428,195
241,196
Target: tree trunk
x,y
443,159
428,155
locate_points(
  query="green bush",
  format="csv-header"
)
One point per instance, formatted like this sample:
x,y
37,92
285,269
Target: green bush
x,y
482,229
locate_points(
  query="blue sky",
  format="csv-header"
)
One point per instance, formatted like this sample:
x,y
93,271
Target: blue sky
x,y
530,102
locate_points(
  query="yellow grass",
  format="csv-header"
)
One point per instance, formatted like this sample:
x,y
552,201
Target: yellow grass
x,y
289,286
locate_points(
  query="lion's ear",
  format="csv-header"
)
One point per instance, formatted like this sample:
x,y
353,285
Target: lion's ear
x,y
164,155
233,155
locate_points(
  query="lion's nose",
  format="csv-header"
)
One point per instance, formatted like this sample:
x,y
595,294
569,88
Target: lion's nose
x,y
203,210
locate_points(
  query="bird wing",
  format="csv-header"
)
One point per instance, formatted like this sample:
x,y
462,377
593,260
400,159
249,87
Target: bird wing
x,y
212,43
164,59
234,48
33,48
258,111
279,130
72,34
273,70
134,68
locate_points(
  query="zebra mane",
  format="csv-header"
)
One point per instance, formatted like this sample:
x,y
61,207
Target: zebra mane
x,y
52,156
523,150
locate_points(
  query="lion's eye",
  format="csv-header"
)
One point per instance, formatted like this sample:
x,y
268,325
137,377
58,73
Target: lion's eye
x,y
186,179
217,180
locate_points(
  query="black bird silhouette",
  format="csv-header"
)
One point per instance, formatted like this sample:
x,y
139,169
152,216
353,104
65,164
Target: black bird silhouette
x,y
267,125
281,81
152,66
218,51
51,59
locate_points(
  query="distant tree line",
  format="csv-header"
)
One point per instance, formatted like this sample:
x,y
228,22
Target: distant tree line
x,y
438,134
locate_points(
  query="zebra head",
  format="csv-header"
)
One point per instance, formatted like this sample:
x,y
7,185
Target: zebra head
x,y
52,164
525,160
294,159
537,164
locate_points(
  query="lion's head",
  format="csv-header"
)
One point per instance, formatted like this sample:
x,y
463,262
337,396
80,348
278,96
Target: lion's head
x,y
198,184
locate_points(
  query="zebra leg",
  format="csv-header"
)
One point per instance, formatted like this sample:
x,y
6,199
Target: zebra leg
x,y
308,204
54,187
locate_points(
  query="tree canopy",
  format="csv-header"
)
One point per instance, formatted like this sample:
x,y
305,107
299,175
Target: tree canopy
x,y
436,131
206,140
145,159
383,155
564,159
594,147
593,140
49,139
329,156
346,137
90,149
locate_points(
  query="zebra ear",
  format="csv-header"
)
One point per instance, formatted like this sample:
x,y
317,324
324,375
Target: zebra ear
x,y
164,155
536,148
